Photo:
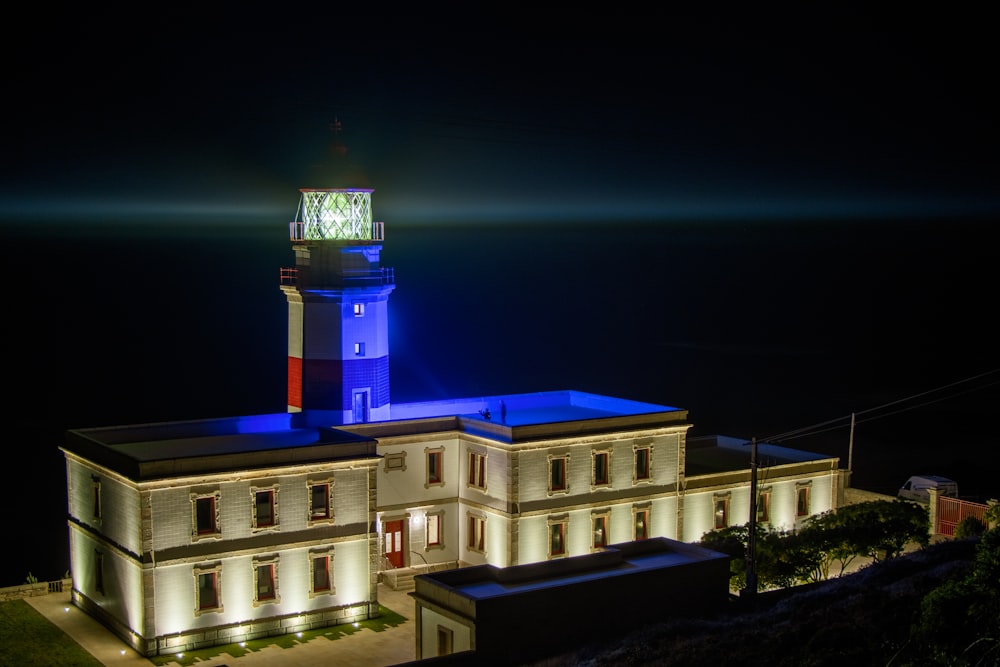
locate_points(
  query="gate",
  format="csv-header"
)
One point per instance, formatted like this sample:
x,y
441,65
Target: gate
x,y
950,511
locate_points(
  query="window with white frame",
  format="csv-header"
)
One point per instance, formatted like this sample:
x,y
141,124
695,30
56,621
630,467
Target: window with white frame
x,y
320,501
802,493
359,309
264,504
435,467
558,470
208,588
557,536
265,579
477,533
321,570
205,515
359,349
640,522
600,529
477,469
720,511
435,530
600,468
642,470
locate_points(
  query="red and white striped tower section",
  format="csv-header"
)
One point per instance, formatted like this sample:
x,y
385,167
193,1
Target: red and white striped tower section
x,y
338,292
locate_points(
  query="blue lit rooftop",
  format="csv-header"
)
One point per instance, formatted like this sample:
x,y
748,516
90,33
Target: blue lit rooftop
x,y
152,451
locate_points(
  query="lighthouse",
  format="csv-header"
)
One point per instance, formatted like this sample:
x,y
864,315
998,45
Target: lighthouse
x,y
337,292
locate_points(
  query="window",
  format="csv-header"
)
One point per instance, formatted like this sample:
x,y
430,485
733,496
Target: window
x,y
434,525
265,507
601,469
319,501
359,349
477,470
322,581
359,310
557,537
96,485
640,520
764,506
802,501
643,463
557,473
721,512
395,461
208,588
265,575
477,533
600,524
435,475
99,572
205,510
446,640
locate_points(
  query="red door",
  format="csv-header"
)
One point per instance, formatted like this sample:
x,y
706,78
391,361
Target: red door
x,y
394,542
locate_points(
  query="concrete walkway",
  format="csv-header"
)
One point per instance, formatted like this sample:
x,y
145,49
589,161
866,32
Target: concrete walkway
x,y
365,648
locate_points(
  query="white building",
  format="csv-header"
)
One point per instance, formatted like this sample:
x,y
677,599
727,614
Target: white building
x,y
189,534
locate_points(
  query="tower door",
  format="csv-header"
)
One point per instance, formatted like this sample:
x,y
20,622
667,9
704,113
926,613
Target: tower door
x,y
360,407
394,542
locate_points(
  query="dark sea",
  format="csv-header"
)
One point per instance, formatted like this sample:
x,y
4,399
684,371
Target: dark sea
x,y
758,329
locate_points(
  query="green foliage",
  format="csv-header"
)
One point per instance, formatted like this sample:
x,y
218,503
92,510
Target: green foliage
x,y
960,621
731,541
992,515
970,526
786,559
31,579
877,530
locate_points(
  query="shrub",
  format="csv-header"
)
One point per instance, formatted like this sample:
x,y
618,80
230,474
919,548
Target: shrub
x,y
970,526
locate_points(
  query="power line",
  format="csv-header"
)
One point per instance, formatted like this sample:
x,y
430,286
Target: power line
x,y
826,425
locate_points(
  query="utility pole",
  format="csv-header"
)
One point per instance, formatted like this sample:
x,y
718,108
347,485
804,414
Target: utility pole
x,y
751,588
850,452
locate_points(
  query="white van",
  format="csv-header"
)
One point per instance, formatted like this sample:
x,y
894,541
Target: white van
x,y
916,488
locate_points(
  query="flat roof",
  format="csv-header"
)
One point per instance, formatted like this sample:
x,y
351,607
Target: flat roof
x,y
717,453
482,582
170,449
525,417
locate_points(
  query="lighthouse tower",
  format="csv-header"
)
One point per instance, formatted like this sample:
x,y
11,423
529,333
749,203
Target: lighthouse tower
x,y
338,291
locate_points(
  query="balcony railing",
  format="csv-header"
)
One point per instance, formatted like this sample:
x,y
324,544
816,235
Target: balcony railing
x,y
303,232
292,276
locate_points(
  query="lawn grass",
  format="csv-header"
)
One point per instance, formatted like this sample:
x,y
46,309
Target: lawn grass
x,y
386,619
28,638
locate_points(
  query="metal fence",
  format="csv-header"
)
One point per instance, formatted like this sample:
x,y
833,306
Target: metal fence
x,y
951,511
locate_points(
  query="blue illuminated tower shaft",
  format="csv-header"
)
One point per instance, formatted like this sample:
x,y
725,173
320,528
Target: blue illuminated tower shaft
x,y
338,333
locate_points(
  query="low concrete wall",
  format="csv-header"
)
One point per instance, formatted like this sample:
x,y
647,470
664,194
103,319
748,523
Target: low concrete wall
x,y
33,590
855,496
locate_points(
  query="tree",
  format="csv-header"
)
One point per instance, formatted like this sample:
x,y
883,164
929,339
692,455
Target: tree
x,y
876,529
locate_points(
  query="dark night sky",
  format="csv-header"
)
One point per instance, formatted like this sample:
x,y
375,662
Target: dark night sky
x,y
792,214
462,117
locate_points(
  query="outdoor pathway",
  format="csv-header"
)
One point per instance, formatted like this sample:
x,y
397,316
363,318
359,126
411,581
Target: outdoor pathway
x,y
365,648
